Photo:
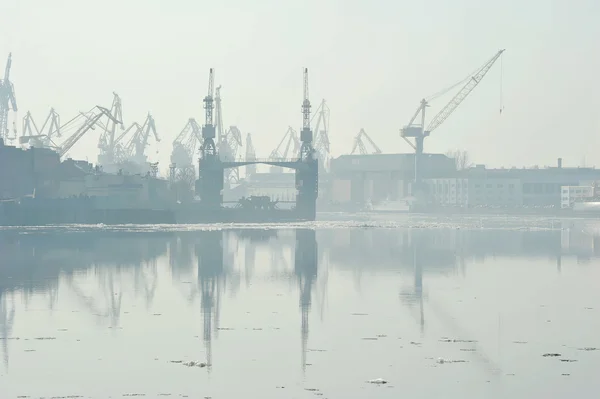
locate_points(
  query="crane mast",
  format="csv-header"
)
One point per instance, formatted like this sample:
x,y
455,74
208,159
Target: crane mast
x,y
306,135
209,148
219,115
107,143
321,131
8,101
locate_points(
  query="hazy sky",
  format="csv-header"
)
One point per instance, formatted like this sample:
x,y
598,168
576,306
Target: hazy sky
x,y
371,60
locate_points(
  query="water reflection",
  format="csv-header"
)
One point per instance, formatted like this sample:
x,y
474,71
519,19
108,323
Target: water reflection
x,y
101,270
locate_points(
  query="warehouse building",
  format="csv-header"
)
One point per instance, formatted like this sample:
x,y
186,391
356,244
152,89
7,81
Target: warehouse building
x,y
377,177
479,186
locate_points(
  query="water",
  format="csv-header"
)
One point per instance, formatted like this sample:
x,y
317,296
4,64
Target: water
x,y
436,307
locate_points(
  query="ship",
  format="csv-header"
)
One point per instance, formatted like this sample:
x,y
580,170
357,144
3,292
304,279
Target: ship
x,y
37,188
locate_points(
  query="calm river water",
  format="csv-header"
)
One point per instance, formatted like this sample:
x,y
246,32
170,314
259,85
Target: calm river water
x,y
480,308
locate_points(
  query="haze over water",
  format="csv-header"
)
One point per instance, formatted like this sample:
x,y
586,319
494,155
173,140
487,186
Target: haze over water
x,y
456,308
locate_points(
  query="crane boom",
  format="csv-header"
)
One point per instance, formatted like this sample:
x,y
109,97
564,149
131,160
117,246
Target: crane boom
x,y
89,124
462,94
360,145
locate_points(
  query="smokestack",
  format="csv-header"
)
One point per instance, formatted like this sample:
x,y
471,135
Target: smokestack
x,y
560,162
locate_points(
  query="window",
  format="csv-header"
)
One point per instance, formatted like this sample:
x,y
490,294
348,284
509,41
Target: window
x,y
500,185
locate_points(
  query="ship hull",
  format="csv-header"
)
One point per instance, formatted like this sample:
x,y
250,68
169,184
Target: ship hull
x,y
75,211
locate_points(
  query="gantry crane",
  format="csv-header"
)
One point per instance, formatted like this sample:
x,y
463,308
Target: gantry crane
x,y
41,137
8,102
360,145
321,131
419,131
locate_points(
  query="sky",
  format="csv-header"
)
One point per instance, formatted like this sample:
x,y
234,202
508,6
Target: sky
x,y
372,62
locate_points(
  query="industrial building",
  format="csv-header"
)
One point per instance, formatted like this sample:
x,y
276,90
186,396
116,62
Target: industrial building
x,y
378,177
572,194
480,186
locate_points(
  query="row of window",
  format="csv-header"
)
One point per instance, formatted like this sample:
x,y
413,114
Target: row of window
x,y
528,188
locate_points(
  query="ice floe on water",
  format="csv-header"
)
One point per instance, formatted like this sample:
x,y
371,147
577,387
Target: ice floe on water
x,y
394,221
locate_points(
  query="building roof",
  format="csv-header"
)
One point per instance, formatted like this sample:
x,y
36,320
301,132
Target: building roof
x,y
433,164
550,173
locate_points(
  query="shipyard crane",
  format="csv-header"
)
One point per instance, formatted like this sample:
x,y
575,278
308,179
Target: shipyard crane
x,y
321,131
107,143
120,154
89,123
359,144
419,131
209,148
228,142
183,168
186,144
8,101
41,137
289,142
117,153
220,133
135,148
228,151
307,151
250,156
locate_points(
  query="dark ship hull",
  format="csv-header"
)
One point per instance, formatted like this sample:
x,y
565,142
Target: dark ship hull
x,y
40,212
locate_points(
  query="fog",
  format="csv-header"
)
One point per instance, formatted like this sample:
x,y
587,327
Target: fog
x,y
372,61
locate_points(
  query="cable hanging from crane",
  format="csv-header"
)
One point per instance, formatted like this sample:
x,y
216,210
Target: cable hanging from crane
x,y
501,84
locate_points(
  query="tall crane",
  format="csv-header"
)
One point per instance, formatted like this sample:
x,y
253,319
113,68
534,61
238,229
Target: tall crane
x,y
41,137
228,142
209,148
220,133
136,147
306,135
228,151
186,144
8,102
321,131
420,131
288,144
359,144
107,142
88,124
